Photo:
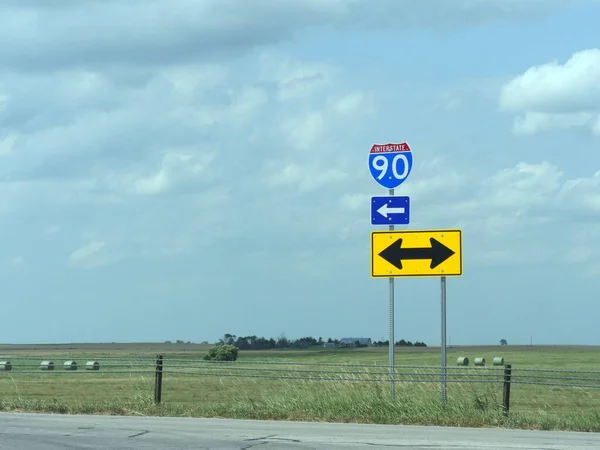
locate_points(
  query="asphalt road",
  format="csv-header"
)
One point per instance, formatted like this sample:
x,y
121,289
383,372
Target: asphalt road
x,y
54,432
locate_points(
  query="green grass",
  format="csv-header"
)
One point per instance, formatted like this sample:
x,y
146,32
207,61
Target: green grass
x,y
469,404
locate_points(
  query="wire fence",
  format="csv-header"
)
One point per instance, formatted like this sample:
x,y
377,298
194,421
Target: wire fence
x,y
188,380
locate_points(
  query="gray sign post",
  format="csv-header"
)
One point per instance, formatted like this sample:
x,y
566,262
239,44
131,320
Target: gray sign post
x,y
443,345
391,344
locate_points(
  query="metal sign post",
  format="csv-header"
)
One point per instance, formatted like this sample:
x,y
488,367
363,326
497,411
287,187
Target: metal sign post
x,y
443,345
391,343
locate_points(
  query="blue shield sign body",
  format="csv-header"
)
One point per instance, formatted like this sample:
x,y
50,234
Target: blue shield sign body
x,y
390,164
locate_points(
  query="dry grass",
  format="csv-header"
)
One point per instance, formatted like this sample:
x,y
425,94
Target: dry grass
x,y
192,394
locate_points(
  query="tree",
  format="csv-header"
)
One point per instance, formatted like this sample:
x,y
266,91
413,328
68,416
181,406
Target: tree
x,y
228,339
282,342
503,342
222,352
254,342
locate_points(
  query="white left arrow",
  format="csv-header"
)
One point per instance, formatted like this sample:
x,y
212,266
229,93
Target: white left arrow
x,y
384,210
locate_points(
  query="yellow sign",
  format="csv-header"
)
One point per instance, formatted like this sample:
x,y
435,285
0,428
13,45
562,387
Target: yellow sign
x,y
423,253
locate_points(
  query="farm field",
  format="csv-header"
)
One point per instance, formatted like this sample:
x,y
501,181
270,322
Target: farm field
x,y
312,384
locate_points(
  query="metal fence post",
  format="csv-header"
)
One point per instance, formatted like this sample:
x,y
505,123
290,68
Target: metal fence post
x,y
506,389
158,373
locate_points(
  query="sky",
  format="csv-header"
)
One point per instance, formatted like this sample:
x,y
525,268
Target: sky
x,y
182,170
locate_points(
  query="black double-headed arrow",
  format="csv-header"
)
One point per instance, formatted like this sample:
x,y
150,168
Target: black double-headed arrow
x,y
437,253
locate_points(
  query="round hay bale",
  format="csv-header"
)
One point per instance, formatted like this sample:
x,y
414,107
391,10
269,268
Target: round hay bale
x,y
498,361
479,361
47,365
462,361
70,365
92,365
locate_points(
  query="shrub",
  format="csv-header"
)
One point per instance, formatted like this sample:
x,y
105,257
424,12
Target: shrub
x,y
222,352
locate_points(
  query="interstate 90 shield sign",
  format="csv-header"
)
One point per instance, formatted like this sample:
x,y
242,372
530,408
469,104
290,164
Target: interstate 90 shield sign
x,y
390,164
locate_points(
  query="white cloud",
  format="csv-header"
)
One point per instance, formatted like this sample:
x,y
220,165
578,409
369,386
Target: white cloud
x,y
42,37
294,80
354,202
578,255
52,229
88,255
160,34
556,96
248,102
584,191
527,191
353,103
304,177
17,261
425,187
305,131
187,79
555,87
536,122
130,137
596,127
7,144
177,167
452,103
524,185
541,192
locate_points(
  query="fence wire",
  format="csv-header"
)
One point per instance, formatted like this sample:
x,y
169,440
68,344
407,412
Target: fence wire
x,y
78,372
398,377
310,371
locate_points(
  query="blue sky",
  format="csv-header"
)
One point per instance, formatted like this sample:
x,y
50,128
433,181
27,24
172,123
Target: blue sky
x,y
181,170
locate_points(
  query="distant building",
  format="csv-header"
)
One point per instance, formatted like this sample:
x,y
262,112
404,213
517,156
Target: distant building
x,y
329,345
352,342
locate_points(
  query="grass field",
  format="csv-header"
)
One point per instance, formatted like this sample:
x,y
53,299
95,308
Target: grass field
x,y
125,383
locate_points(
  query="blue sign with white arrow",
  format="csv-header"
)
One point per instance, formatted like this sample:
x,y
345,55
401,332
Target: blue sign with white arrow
x,y
390,210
